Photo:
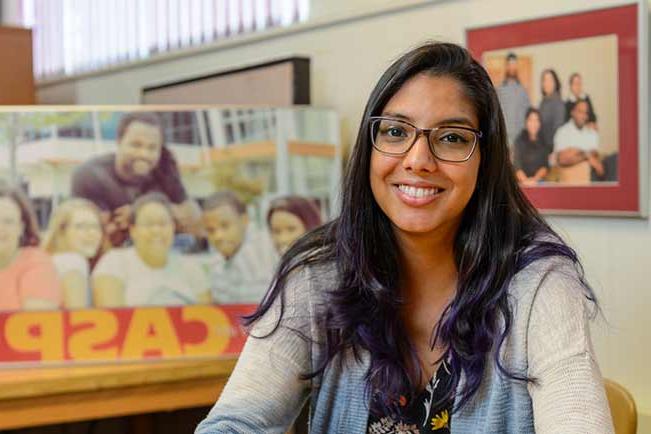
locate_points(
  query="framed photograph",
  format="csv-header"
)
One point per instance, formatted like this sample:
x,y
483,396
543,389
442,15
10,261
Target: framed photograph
x,y
147,232
574,93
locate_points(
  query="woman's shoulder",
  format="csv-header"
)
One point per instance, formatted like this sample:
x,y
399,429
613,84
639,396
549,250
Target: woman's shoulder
x,y
522,137
119,252
555,278
313,280
32,254
68,261
117,260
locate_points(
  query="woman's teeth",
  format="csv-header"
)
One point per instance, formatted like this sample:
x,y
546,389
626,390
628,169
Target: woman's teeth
x,y
417,191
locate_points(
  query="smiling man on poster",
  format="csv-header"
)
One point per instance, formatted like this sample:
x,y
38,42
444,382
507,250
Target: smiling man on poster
x,y
141,164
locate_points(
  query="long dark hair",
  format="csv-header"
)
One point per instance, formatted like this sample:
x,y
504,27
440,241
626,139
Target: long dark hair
x,y
30,236
303,208
499,235
557,82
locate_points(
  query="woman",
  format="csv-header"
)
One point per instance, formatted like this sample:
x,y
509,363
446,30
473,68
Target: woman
x,y
28,279
530,153
149,272
577,94
439,299
289,218
552,107
75,239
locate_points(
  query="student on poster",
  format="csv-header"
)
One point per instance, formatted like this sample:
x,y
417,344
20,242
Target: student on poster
x,y
289,218
242,266
75,239
28,279
149,272
141,164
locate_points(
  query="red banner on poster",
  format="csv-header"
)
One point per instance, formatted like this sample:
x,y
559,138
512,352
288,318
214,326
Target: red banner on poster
x,y
122,334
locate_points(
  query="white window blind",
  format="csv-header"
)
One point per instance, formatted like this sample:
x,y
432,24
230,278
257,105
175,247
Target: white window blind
x,y
77,36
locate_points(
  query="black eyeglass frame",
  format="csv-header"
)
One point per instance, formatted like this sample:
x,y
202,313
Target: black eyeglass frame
x,y
420,131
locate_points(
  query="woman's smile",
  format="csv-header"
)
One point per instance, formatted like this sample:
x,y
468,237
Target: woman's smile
x,y
414,195
418,192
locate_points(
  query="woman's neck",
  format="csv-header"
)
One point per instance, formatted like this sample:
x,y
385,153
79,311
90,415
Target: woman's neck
x,y
428,285
428,267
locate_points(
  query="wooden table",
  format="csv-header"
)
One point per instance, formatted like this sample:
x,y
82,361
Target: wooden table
x,y
43,396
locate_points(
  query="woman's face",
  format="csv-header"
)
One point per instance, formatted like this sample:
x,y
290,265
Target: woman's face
x,y
153,230
11,227
285,229
548,83
418,193
226,229
83,233
533,124
577,86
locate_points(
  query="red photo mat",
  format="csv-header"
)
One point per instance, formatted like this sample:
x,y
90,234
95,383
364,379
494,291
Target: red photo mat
x,y
129,334
623,198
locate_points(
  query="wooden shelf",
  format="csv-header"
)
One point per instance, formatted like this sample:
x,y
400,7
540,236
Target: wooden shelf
x,y
42,396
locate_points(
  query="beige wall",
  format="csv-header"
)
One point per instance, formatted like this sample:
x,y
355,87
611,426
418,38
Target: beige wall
x,y
348,57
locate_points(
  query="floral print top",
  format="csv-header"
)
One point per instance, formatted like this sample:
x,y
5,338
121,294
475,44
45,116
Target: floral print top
x,y
421,416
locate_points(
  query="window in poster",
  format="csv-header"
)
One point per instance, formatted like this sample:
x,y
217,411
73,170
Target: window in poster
x,y
126,233
573,92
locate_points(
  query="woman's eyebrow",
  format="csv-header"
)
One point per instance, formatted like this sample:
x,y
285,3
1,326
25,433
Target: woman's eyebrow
x,y
396,115
459,120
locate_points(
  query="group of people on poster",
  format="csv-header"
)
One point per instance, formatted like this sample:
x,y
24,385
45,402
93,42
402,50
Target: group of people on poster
x,y
112,243
558,133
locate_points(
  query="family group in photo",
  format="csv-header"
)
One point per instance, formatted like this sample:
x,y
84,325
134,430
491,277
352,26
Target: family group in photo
x,y
559,139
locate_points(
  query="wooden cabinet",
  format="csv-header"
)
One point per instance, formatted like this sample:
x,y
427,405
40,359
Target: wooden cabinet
x,y
16,71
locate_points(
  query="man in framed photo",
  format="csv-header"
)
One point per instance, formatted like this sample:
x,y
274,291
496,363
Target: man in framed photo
x,y
576,146
513,98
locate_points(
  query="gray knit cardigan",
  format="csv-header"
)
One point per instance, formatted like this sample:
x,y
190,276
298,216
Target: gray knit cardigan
x,y
549,341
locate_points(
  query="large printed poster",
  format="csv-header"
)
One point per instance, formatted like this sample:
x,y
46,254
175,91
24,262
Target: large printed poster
x,y
128,234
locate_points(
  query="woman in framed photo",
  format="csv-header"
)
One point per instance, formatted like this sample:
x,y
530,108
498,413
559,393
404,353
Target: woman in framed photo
x,y
552,107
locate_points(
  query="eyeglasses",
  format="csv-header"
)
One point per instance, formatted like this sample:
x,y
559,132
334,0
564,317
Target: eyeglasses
x,y
448,143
